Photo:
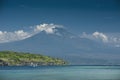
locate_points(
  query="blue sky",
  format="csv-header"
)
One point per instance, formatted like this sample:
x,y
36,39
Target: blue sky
x,y
90,26
77,15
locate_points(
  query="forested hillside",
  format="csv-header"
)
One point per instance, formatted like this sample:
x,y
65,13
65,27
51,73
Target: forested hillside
x,y
11,58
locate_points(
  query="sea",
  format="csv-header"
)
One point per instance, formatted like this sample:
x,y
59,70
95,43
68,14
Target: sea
x,y
60,73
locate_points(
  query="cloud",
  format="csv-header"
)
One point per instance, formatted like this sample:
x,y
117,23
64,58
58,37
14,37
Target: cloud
x,y
6,36
13,36
48,28
101,36
107,38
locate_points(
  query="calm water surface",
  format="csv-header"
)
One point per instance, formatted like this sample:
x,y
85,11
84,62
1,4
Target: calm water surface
x,y
60,73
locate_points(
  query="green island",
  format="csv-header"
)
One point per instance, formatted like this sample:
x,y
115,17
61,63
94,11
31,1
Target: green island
x,y
11,58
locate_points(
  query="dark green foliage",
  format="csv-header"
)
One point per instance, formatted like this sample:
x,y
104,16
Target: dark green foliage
x,y
21,59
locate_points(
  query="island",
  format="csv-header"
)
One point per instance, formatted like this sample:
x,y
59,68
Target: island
x,y
11,58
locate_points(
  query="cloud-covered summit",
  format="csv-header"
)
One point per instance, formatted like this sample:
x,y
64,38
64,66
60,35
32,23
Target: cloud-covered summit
x,y
6,36
48,28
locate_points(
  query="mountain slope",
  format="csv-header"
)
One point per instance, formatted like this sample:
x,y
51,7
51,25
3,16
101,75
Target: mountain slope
x,y
68,46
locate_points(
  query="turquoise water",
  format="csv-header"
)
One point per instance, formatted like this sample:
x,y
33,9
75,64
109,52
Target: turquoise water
x,y
60,73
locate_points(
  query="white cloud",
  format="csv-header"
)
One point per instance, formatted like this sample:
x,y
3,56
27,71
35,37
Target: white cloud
x,y
21,34
101,36
13,36
48,28
107,38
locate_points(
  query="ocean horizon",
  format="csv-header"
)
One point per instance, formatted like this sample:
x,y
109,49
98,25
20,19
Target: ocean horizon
x,y
70,72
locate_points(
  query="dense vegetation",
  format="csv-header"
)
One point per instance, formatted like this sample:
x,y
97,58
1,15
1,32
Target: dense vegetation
x,y
10,58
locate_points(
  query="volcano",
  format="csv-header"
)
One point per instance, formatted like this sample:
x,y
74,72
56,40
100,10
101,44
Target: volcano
x,y
66,45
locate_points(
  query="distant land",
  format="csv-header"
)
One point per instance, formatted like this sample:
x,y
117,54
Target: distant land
x,y
11,58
